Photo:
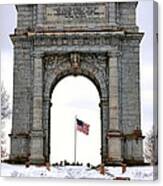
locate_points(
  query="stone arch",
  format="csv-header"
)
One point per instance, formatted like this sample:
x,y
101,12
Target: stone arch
x,y
87,74
105,51
98,79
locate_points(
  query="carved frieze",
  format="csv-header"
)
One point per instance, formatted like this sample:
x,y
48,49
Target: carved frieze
x,y
65,40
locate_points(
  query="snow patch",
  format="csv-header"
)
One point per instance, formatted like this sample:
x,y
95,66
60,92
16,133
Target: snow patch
x,y
76,172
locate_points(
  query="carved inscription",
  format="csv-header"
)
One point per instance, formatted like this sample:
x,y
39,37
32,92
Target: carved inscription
x,y
77,14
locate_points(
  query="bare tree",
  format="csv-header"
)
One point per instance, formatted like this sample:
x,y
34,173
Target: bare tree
x,y
5,113
149,147
5,106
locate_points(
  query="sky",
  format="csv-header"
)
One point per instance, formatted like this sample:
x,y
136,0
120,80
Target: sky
x,y
78,96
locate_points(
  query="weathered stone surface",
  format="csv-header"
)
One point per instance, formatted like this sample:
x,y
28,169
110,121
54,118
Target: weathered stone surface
x,y
97,40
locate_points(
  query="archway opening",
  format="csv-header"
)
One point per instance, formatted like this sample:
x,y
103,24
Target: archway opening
x,y
75,96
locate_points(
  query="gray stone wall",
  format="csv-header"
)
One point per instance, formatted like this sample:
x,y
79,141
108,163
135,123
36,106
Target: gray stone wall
x,y
25,16
22,98
130,85
84,16
131,97
127,14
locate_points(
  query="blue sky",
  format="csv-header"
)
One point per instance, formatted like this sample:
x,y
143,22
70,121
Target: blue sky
x,y
72,103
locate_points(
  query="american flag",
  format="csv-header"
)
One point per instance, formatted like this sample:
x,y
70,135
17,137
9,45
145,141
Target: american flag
x,y
82,126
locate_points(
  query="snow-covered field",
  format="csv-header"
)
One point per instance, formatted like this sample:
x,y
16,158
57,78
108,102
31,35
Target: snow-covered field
x,y
78,172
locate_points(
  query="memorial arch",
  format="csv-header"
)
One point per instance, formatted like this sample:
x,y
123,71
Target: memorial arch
x,y
97,40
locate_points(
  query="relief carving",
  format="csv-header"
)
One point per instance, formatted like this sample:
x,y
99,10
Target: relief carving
x,y
53,61
94,58
75,60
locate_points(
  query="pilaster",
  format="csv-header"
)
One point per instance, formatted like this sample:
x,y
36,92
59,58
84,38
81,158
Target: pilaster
x,y
114,132
37,127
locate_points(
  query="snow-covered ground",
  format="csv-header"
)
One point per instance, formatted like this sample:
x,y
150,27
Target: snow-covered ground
x,y
78,172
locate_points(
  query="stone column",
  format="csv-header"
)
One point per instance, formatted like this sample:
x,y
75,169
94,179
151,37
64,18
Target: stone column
x,y
114,132
104,128
37,127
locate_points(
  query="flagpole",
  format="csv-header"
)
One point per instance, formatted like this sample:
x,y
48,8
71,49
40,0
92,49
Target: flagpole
x,y
75,139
